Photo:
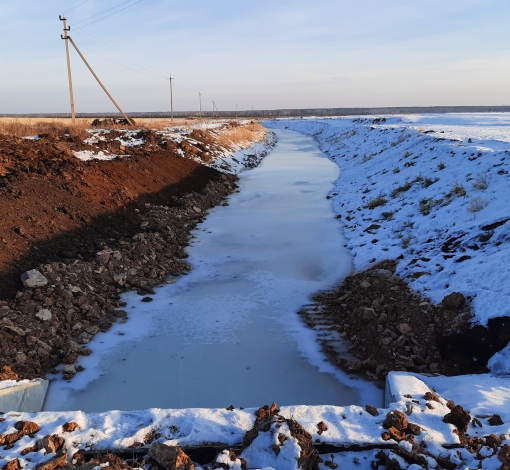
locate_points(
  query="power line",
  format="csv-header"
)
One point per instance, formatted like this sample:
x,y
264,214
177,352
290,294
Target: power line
x,y
111,49
122,65
118,11
104,11
79,4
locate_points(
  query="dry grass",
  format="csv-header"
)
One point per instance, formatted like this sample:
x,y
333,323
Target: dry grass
x,y
240,136
478,203
51,128
232,135
21,127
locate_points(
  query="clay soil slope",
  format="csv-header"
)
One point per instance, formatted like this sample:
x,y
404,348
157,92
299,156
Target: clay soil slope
x,y
94,229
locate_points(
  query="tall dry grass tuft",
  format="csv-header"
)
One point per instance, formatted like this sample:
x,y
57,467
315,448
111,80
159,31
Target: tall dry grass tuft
x,y
48,128
237,135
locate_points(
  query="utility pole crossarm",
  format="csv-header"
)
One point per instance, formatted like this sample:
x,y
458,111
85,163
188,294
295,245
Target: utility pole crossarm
x,y
131,122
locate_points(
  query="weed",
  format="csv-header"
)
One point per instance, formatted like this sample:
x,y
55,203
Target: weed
x,y
401,138
367,158
459,190
237,136
366,190
51,129
418,179
476,204
407,225
409,164
429,181
407,154
427,204
441,166
396,170
401,189
406,242
481,182
376,202
387,215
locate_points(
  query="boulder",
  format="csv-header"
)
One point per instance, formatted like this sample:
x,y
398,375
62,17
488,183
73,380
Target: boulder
x,y
70,426
459,417
33,278
170,457
50,444
454,300
44,314
395,419
59,461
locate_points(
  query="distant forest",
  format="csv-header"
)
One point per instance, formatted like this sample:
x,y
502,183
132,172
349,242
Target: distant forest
x,y
272,113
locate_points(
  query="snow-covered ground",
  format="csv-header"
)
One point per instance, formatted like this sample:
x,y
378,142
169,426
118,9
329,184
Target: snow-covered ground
x,y
231,158
431,191
346,426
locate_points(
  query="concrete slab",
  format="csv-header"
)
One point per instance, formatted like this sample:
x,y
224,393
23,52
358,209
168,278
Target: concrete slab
x,y
399,384
23,395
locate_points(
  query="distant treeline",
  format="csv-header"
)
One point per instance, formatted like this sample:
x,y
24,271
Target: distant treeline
x,y
273,113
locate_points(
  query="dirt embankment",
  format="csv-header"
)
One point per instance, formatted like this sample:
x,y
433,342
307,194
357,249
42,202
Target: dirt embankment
x,y
93,229
390,327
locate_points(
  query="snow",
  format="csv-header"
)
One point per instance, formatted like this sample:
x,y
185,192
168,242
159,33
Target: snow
x,y
430,185
86,155
350,425
234,159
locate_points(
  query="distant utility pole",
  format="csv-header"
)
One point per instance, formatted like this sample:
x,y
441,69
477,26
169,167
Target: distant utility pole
x,y
252,112
171,100
69,76
200,100
213,109
236,111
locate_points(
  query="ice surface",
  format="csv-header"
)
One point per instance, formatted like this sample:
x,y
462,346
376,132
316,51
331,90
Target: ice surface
x,y
228,333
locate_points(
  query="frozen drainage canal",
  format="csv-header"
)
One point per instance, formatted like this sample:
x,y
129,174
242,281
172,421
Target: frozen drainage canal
x,y
228,332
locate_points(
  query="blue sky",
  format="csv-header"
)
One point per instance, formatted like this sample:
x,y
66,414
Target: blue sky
x,y
266,54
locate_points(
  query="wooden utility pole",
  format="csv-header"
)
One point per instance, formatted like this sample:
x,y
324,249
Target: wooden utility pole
x,y
171,100
99,81
69,76
200,100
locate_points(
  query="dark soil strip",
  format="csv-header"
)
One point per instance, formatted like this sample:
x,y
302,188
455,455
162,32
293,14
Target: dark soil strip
x,y
390,327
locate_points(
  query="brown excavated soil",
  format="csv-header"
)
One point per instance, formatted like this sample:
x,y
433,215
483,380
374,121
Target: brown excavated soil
x,y
94,230
46,192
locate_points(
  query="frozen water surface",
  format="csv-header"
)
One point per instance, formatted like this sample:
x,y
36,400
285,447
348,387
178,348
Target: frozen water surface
x,y
228,332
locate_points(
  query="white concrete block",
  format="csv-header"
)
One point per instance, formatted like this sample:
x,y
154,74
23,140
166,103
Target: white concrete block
x,y
23,395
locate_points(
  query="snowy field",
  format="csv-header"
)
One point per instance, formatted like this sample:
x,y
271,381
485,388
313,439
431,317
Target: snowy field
x,y
431,191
